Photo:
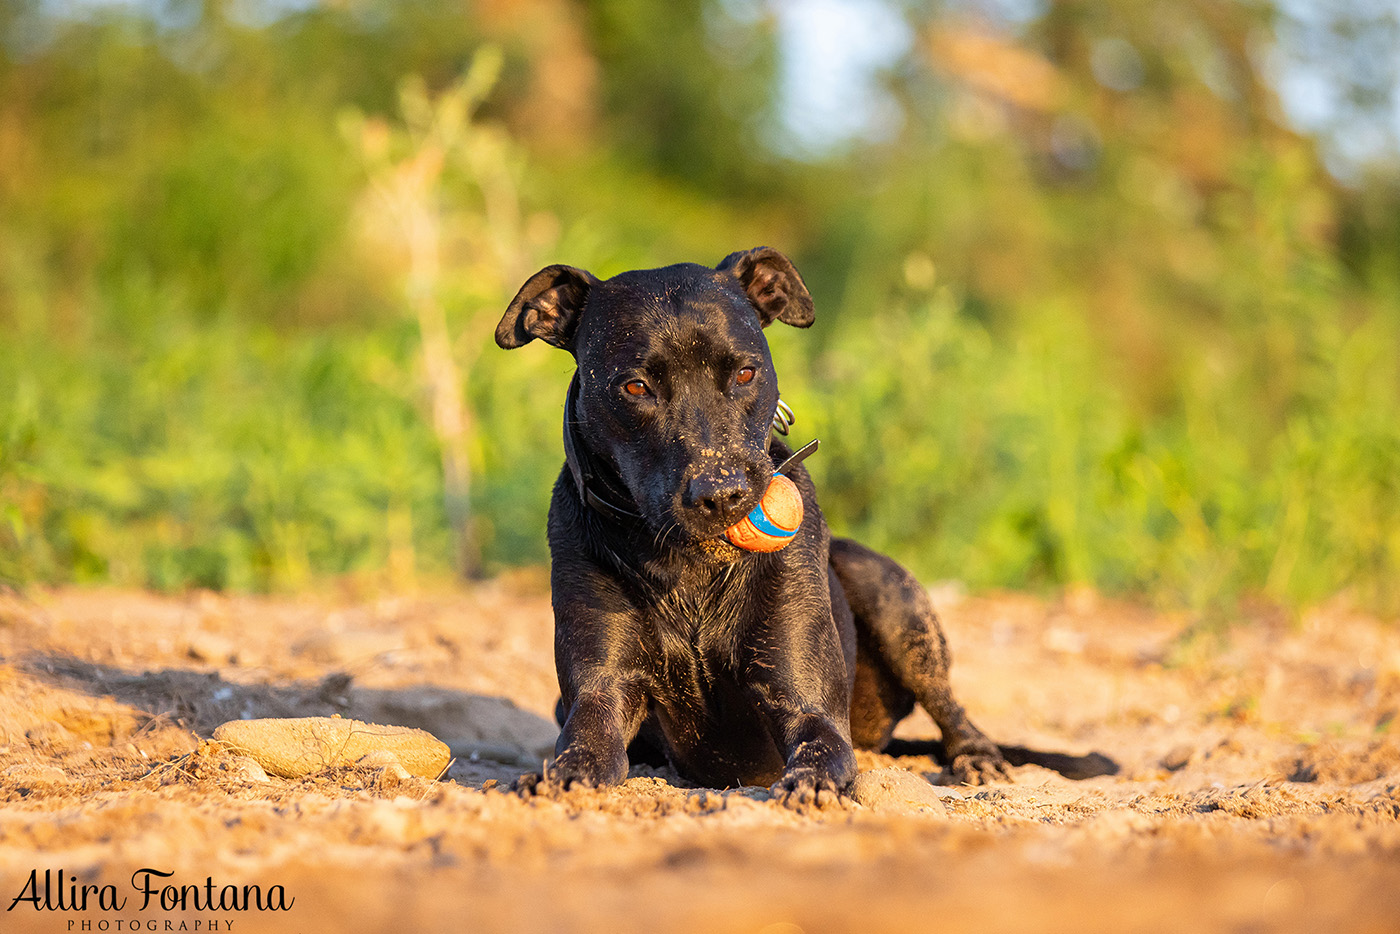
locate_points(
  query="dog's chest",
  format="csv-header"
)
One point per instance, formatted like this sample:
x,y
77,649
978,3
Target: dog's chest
x,y
705,625
701,700
697,630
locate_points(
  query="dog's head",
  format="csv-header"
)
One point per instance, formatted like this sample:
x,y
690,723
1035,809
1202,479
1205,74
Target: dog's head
x,y
676,384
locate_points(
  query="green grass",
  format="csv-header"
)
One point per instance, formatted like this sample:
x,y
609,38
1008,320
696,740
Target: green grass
x,y
237,456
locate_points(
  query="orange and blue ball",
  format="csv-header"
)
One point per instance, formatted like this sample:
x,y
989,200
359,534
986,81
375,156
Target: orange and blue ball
x,y
773,522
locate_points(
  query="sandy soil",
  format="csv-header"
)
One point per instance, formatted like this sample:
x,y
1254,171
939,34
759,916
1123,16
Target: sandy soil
x,y
1260,783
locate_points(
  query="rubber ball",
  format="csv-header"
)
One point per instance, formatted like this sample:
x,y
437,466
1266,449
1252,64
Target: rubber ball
x,y
773,522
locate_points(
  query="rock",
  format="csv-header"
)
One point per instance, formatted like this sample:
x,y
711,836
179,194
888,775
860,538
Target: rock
x,y
212,649
1178,758
897,791
389,772
248,769
299,746
390,778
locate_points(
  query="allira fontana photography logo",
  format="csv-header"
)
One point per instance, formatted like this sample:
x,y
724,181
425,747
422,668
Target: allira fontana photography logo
x,y
150,891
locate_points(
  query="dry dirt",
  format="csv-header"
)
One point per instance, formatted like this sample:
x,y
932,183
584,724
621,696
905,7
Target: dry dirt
x,y
1260,782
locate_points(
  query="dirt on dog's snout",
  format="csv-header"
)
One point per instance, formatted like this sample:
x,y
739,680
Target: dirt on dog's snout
x,y
1260,782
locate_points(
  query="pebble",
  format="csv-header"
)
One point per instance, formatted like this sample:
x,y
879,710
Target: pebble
x,y
248,769
1178,758
212,649
299,746
896,791
390,778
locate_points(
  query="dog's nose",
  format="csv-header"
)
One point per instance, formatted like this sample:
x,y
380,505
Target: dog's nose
x,y
718,495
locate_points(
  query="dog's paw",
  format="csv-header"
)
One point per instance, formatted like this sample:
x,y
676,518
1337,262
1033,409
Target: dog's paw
x,y
979,767
530,785
547,785
806,789
573,769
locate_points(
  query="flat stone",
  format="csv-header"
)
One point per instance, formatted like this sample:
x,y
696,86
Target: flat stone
x,y
298,746
897,791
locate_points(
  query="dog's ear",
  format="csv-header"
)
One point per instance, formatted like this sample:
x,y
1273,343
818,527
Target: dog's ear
x,y
772,285
547,306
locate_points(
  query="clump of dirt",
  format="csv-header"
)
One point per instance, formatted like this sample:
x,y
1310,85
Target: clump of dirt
x,y
1346,764
1259,786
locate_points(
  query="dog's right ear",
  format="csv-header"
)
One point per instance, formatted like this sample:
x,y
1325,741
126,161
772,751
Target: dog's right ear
x,y
547,306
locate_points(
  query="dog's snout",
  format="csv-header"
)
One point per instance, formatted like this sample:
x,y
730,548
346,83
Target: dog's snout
x,y
718,495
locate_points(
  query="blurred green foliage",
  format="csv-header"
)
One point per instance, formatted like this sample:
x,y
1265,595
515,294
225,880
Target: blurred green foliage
x,y
1095,317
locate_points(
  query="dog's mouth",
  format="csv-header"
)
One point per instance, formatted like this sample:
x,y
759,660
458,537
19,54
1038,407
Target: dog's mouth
x,y
721,548
709,536
680,534
689,509
715,545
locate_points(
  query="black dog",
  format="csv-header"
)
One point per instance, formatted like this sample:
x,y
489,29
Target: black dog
x,y
742,668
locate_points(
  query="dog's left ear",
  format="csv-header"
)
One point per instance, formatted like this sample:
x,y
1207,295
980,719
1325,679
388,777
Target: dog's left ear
x,y
772,285
548,307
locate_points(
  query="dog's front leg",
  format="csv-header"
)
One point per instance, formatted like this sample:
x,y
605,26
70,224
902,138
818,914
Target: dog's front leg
x,y
820,761
592,747
797,679
603,685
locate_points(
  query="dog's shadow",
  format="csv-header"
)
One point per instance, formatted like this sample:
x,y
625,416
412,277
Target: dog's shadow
x,y
477,728
1075,768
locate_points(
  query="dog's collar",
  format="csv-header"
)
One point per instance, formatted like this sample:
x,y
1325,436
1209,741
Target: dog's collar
x,y
586,481
584,478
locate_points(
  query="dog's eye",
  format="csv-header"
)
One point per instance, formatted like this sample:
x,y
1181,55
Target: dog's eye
x,y
745,375
635,388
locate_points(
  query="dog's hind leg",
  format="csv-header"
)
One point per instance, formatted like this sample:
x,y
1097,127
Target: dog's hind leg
x,y
878,699
895,618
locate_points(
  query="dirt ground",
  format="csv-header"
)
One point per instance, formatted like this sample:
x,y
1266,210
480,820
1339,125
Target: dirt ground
x,y
1259,790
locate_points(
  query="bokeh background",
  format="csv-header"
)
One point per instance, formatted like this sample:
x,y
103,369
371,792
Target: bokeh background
x,y
1108,293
